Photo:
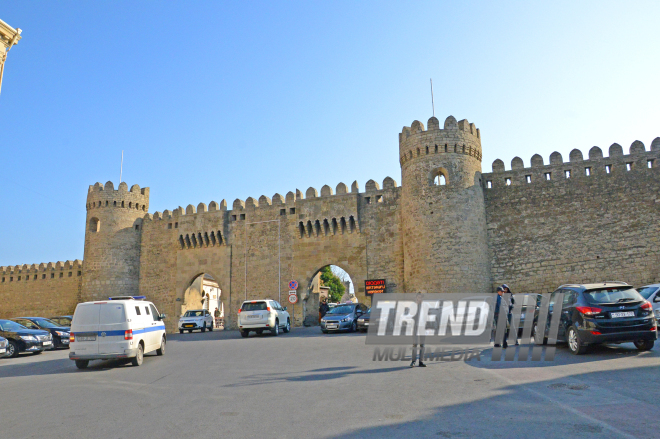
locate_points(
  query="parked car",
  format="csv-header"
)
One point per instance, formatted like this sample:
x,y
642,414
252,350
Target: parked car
x,y
650,293
3,347
21,339
610,312
60,333
260,315
122,327
363,321
62,320
343,317
196,319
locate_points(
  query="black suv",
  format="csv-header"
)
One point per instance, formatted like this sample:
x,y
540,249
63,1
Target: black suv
x,y
610,312
22,339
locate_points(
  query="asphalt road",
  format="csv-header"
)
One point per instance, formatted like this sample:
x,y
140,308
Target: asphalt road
x,y
306,384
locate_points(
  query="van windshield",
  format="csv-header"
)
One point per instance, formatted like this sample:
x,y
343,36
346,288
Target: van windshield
x,y
254,306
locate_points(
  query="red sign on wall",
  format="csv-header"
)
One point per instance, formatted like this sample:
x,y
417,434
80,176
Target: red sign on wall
x,y
374,286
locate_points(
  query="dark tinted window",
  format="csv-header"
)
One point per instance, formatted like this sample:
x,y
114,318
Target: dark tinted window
x,y
613,295
137,311
342,309
8,325
647,291
570,297
254,306
146,308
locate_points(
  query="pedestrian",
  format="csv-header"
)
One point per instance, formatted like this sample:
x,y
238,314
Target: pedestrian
x,y
507,302
323,309
418,339
216,315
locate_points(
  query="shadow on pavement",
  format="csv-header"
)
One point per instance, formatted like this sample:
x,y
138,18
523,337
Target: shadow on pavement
x,y
580,405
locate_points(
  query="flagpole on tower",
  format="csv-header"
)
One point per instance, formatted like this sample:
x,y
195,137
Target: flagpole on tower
x,y
432,103
121,167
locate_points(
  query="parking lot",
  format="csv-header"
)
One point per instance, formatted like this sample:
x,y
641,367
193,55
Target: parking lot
x,y
306,384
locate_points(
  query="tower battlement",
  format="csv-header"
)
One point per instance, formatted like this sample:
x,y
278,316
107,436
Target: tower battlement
x,y
99,195
460,137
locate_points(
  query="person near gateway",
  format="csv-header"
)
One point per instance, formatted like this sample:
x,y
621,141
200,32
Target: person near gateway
x,y
507,302
216,315
418,339
323,308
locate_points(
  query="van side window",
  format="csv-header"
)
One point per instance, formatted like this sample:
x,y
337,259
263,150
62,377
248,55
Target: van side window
x,y
146,308
137,310
154,313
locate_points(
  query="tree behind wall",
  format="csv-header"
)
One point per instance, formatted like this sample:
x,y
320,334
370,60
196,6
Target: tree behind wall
x,y
329,279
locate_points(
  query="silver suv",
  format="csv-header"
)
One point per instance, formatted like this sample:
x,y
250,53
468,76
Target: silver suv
x,y
257,315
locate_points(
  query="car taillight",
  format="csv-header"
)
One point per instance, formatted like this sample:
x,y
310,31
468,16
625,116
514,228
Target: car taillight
x,y
646,305
654,328
596,333
239,311
128,334
72,337
268,308
588,310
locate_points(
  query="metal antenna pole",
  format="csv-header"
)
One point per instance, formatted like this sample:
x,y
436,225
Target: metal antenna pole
x,y
432,103
121,167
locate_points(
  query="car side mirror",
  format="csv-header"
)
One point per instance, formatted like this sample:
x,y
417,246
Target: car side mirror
x,y
162,316
284,308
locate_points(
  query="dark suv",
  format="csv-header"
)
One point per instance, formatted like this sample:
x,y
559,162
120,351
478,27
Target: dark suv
x,y
610,312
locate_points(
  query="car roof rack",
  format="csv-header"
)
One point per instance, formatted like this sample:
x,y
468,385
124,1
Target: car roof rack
x,y
127,298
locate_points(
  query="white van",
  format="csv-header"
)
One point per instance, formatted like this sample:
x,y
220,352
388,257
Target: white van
x,y
121,327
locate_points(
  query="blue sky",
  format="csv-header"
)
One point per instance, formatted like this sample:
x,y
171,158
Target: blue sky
x,y
213,100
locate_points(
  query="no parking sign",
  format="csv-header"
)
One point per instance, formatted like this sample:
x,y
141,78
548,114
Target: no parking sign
x,y
293,285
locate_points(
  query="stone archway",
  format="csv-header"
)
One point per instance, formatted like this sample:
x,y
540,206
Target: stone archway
x,y
197,291
311,297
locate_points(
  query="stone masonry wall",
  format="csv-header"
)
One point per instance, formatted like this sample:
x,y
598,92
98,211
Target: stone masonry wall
x,y
45,290
573,227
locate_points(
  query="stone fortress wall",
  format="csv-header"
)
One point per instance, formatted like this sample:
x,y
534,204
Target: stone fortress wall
x,y
48,289
533,228
584,220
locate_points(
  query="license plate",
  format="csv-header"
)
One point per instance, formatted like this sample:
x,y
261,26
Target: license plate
x,y
366,323
3,350
86,338
188,326
622,314
331,326
47,343
254,317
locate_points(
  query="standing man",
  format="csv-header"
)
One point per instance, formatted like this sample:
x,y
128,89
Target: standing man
x,y
216,315
418,339
323,308
508,306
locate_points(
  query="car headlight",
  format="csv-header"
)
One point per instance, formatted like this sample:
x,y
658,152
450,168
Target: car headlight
x,y
3,344
347,319
62,334
28,338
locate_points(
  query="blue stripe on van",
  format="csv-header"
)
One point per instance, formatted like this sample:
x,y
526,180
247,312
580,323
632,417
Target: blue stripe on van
x,y
135,331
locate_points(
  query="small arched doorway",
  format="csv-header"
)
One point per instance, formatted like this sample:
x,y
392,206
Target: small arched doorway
x,y
331,283
204,293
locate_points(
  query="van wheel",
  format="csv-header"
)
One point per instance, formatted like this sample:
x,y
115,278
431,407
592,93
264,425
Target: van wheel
x,y
139,358
180,331
574,344
287,328
245,333
644,345
161,351
82,364
12,349
275,330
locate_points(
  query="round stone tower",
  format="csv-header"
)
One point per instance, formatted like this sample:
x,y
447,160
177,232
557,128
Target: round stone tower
x,y
442,206
112,240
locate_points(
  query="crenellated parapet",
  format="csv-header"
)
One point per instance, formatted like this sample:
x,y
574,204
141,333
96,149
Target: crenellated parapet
x,y
105,196
43,271
455,137
595,166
